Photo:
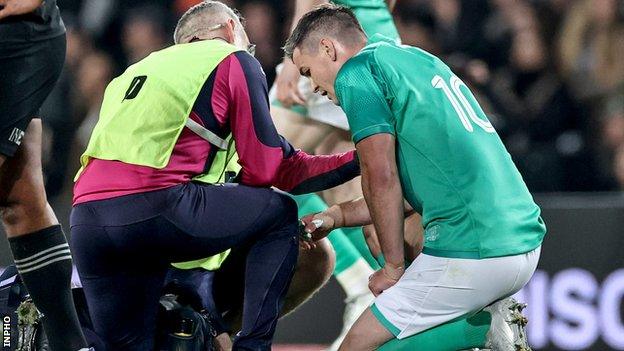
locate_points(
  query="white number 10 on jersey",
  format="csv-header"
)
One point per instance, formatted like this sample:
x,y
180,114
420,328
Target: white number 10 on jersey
x,y
458,100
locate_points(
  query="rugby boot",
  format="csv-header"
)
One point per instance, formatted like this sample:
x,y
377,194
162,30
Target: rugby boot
x,y
29,331
507,331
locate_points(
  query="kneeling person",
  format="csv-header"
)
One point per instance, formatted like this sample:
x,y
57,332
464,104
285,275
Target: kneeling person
x,y
421,135
170,128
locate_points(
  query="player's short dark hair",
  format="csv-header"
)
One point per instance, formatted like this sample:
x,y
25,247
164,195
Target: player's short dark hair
x,y
328,19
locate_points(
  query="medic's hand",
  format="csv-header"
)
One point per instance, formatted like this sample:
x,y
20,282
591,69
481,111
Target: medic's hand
x,y
17,7
384,278
287,85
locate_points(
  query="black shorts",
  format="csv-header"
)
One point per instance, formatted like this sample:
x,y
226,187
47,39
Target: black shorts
x,y
28,72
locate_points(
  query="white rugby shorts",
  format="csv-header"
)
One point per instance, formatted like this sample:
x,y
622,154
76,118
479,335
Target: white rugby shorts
x,y
435,290
318,107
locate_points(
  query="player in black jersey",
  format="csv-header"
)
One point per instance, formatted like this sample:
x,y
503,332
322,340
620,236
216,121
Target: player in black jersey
x,y
32,51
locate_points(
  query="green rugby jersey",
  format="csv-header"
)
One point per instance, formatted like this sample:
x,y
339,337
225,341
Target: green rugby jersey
x,y
373,15
453,167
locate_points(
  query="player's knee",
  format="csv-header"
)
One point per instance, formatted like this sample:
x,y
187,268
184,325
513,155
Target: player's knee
x,y
350,342
356,339
22,210
319,263
13,213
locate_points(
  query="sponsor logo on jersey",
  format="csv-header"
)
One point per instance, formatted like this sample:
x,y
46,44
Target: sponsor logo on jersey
x,y
432,233
16,136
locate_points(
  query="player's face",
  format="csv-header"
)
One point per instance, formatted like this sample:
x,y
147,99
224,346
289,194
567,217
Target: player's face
x,y
321,67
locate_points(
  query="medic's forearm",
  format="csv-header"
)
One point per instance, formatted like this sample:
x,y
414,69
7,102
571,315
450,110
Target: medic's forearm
x,y
300,173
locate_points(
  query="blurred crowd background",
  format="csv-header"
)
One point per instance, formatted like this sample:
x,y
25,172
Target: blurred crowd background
x,y
549,74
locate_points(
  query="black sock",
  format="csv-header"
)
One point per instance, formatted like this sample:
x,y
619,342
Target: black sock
x,y
44,263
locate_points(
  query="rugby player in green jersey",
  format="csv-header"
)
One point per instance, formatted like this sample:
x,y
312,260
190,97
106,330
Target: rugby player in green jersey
x,y
422,139
314,124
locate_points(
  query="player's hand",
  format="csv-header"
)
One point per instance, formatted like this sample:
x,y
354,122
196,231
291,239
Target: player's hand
x,y
287,85
223,342
305,238
318,225
17,7
384,278
478,71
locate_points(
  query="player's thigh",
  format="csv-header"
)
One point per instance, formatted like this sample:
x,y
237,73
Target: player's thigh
x,y
339,141
22,194
302,132
28,74
372,240
413,236
321,109
367,333
435,290
24,168
314,267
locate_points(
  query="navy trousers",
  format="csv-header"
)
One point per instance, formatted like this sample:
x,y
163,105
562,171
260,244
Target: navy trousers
x,y
122,248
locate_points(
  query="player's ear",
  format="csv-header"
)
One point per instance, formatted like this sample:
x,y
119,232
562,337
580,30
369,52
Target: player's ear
x,y
328,48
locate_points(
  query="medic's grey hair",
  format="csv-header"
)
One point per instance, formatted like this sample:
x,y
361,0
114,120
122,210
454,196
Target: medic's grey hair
x,y
201,18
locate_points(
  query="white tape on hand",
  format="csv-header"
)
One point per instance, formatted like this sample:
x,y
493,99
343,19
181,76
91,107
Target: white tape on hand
x,y
317,223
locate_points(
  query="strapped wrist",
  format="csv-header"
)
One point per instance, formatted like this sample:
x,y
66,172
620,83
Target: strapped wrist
x,y
335,212
385,273
395,266
396,270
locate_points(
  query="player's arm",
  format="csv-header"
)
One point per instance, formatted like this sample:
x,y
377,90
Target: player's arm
x,y
384,199
17,7
354,213
287,80
301,8
383,193
364,103
363,98
412,237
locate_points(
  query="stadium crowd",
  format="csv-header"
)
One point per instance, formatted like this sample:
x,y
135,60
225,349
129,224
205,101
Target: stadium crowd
x,y
549,74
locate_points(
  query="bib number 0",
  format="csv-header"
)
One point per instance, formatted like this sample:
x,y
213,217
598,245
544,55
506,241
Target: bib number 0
x,y
460,103
134,88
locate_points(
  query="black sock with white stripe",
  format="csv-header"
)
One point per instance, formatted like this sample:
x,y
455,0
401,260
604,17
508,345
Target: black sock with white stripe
x,y
44,263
